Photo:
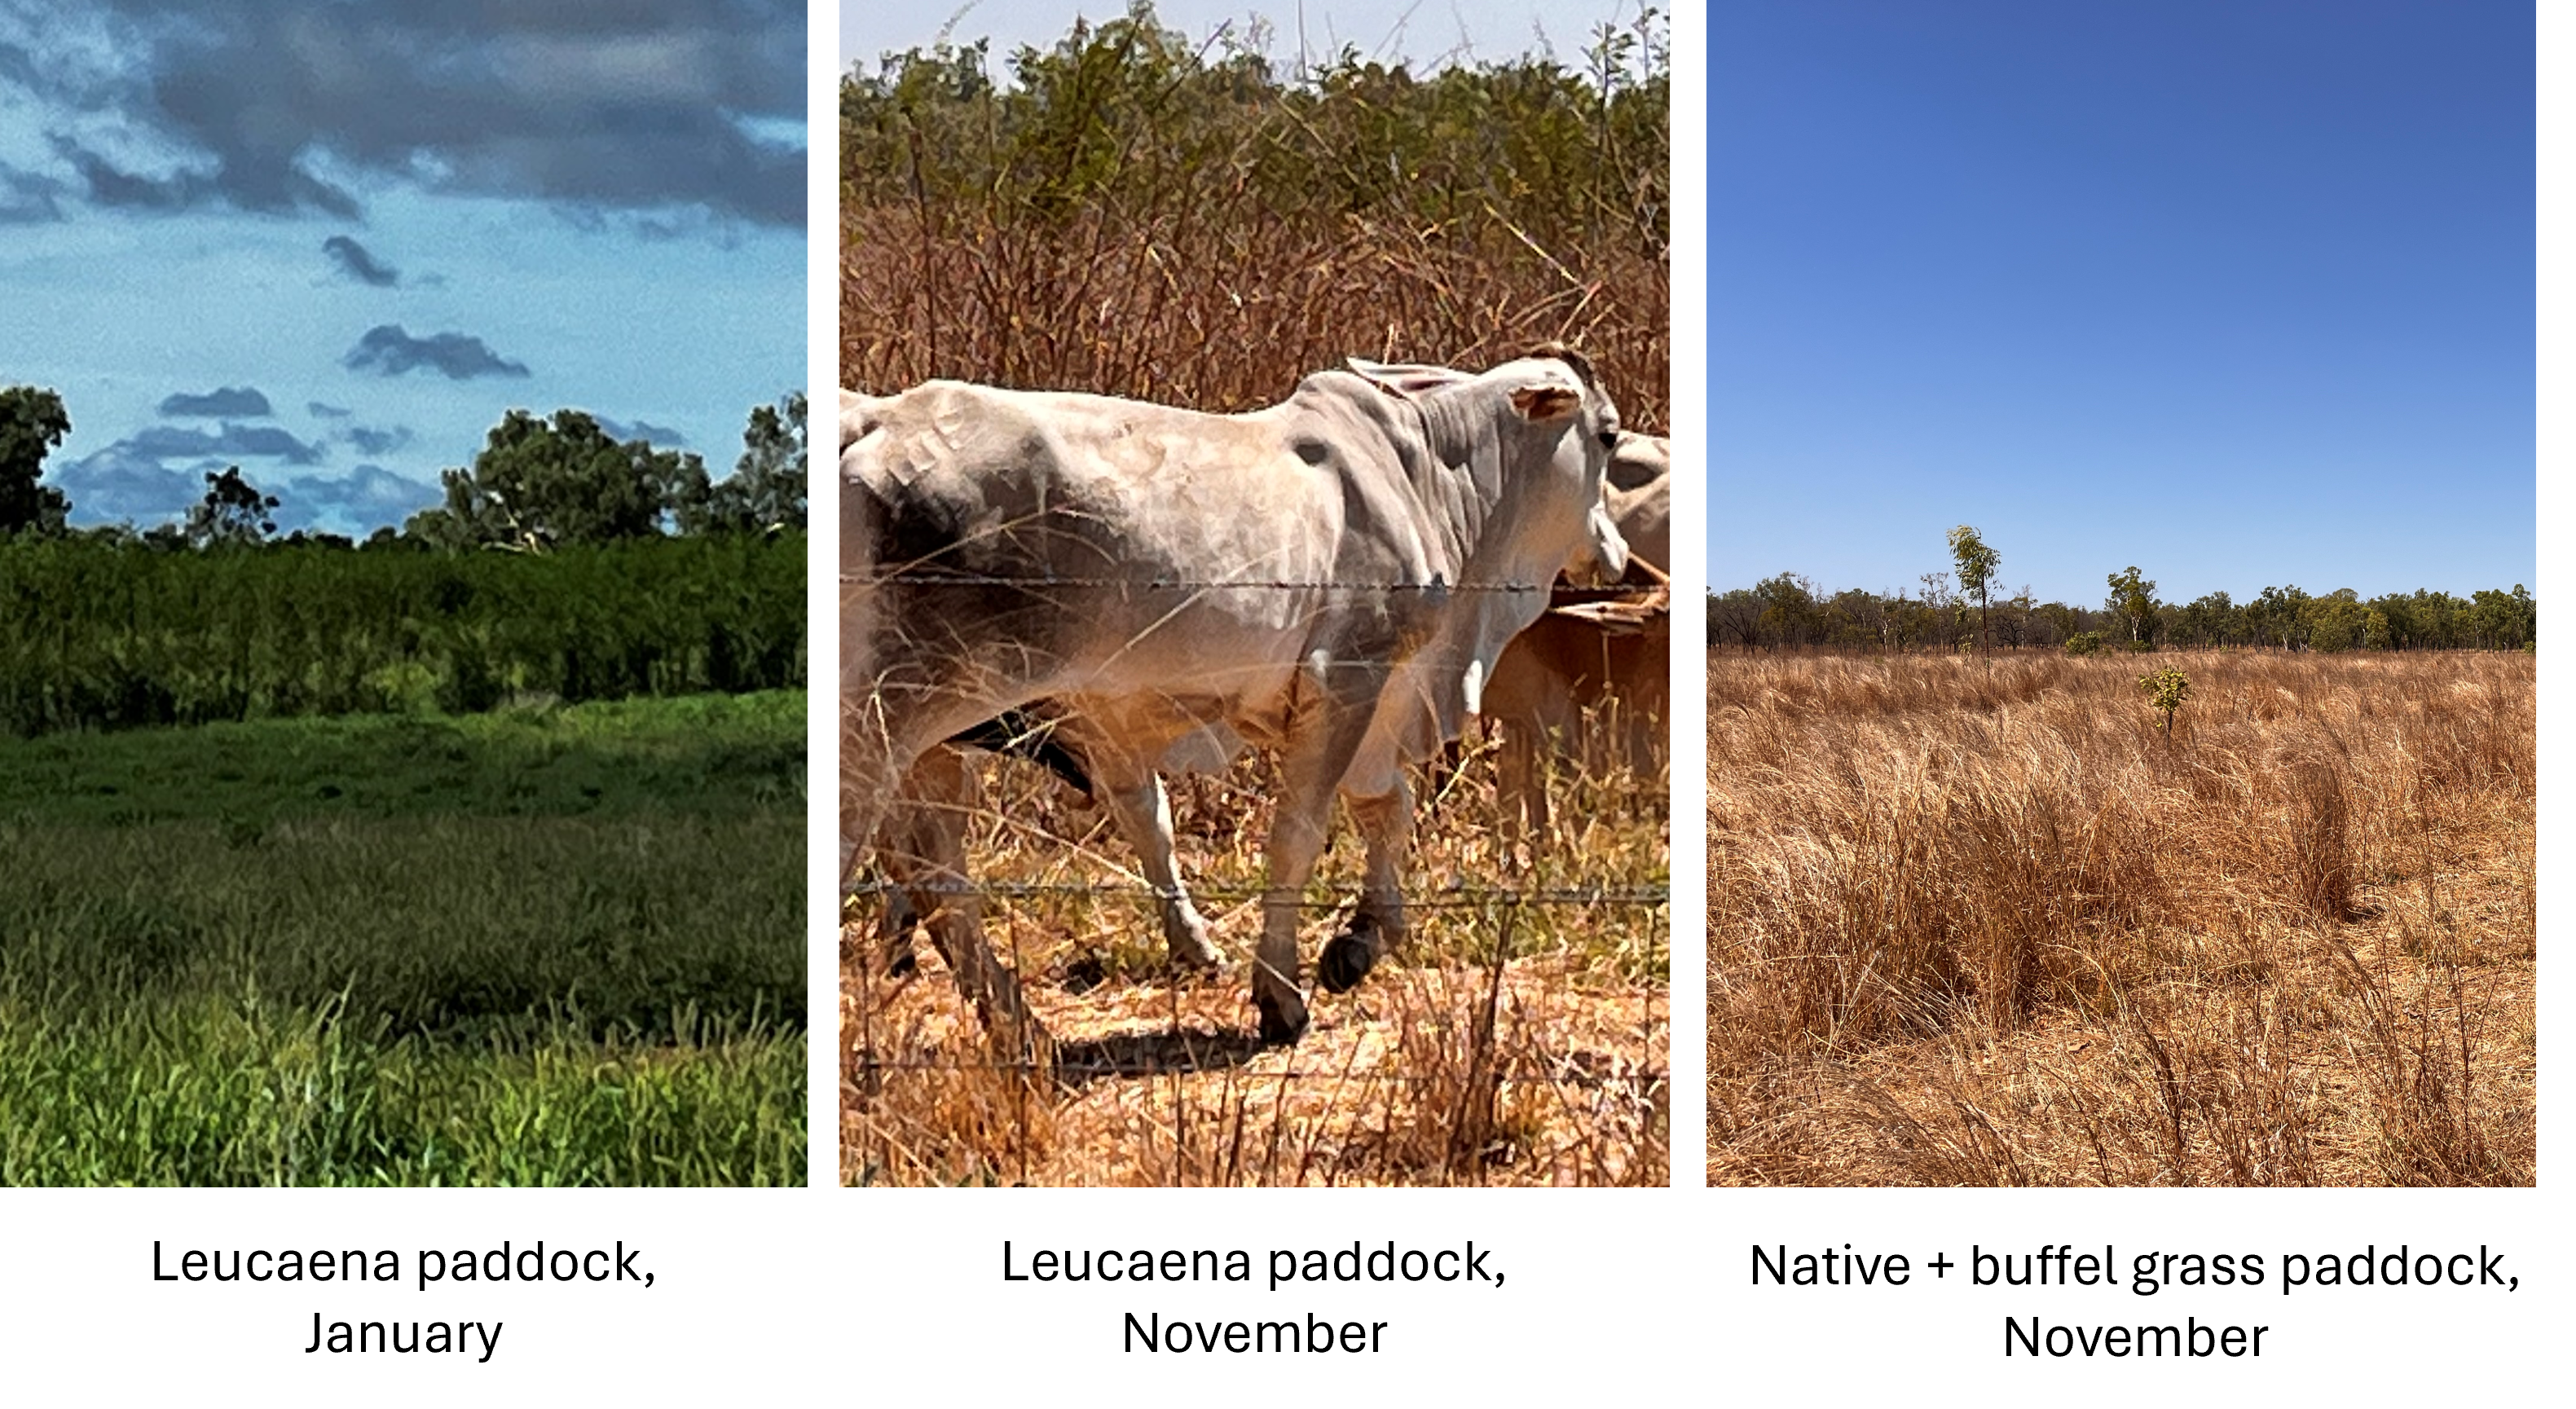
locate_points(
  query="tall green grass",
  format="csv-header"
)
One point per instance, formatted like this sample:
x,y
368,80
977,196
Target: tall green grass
x,y
223,1089
553,945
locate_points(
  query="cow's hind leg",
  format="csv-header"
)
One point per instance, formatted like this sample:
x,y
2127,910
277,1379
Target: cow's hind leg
x,y
1378,925
932,869
894,933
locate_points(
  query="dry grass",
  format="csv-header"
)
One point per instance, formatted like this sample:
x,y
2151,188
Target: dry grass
x,y
1227,313
1983,922
1507,1043
1137,216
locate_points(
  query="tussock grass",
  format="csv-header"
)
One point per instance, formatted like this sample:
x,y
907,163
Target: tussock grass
x,y
1981,921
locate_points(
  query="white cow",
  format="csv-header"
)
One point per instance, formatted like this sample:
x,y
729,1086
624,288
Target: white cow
x,y
1640,492
1335,576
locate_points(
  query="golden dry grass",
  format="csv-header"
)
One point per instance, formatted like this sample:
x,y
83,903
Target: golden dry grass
x,y
1138,218
1505,1044
1980,921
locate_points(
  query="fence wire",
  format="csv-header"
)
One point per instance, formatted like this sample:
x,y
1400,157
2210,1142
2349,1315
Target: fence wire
x,y
1445,898
1204,1052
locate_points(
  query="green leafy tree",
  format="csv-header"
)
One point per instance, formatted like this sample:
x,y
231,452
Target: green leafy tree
x,y
766,492
1788,607
2014,625
2133,599
2209,620
32,422
540,483
2336,621
2281,614
233,512
2504,620
1977,564
2377,633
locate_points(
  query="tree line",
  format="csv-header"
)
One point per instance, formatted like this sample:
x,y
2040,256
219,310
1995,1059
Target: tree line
x,y
1962,610
538,483
563,564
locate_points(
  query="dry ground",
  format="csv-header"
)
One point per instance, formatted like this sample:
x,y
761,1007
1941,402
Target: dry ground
x,y
1507,1044
1980,921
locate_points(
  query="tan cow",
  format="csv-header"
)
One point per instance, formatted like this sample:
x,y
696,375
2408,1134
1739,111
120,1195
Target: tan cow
x,y
1588,681
1335,576
1594,678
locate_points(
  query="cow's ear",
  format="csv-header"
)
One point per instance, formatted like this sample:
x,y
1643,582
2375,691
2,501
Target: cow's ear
x,y
1546,402
1407,379
859,416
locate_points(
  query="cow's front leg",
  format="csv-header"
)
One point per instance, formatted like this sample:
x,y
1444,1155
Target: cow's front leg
x,y
1142,809
1320,747
1378,925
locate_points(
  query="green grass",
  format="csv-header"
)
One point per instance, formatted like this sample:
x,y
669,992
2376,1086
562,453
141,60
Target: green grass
x,y
222,1090
705,755
551,945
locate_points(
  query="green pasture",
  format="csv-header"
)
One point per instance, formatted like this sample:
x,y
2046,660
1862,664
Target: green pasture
x,y
555,944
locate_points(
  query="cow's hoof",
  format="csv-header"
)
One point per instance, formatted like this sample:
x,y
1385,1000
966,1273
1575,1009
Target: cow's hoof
x,y
1281,1024
1346,961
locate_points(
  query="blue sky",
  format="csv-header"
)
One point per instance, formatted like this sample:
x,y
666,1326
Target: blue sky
x,y
1423,31
2238,292
333,243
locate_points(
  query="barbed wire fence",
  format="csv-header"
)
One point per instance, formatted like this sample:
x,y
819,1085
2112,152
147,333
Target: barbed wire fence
x,y
1175,1050
1462,1047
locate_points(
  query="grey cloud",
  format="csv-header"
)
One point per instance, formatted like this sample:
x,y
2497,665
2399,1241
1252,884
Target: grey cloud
x,y
232,441
642,430
354,261
373,441
366,498
130,482
28,198
282,191
120,482
389,351
223,401
641,106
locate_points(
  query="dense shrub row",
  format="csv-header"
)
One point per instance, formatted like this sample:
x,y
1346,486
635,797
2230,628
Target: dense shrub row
x,y
97,635
1130,212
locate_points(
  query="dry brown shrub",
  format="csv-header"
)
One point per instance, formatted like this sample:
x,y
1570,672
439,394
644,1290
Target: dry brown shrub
x,y
1982,921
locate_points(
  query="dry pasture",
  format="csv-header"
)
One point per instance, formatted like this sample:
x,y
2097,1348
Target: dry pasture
x,y
1137,213
1980,920
1520,1037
